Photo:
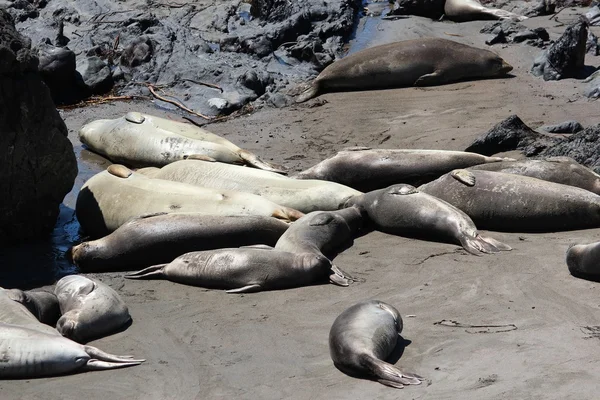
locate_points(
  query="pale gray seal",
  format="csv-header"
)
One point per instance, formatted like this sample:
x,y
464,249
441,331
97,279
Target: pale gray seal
x,y
499,201
583,261
112,197
245,270
43,305
30,353
469,10
563,170
404,210
157,239
367,169
13,312
322,232
301,195
418,62
365,335
145,140
90,309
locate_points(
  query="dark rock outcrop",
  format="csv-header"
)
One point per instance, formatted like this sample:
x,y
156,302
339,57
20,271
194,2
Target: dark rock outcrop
x,y
583,147
37,163
57,67
565,58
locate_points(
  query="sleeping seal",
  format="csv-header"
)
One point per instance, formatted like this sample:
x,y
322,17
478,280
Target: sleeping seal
x,y
469,10
563,170
418,62
112,197
514,203
245,270
301,195
363,336
157,239
404,210
43,305
583,261
145,140
366,169
322,232
90,309
14,312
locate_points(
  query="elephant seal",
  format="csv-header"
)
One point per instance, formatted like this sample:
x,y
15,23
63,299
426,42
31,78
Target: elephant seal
x,y
157,239
366,169
43,305
515,203
362,337
30,353
583,261
145,140
245,270
404,210
322,232
305,196
14,312
562,170
470,10
90,309
112,197
418,62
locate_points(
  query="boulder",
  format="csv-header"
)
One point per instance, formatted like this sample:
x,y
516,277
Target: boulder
x,y
95,74
38,166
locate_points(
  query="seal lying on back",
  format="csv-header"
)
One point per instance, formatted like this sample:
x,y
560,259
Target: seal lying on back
x,y
244,270
43,305
158,239
514,203
367,169
469,10
363,336
563,170
144,140
113,197
418,62
583,260
403,210
90,309
322,232
305,196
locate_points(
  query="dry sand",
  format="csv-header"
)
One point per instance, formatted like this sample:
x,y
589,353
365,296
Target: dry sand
x,y
202,344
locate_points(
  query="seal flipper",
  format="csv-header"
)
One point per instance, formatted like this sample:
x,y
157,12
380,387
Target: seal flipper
x,y
155,271
313,91
253,160
463,176
496,243
429,79
246,289
388,374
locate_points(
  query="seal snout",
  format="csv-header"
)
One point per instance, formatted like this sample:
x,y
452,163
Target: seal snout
x,y
505,67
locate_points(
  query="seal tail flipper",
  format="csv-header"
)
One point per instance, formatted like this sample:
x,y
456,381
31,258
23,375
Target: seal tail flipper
x,y
98,354
287,214
476,246
155,271
311,92
388,374
253,160
97,365
496,243
246,289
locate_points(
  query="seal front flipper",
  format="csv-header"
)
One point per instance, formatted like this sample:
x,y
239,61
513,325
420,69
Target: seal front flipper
x,y
156,271
311,92
246,289
429,79
496,243
253,160
463,176
388,374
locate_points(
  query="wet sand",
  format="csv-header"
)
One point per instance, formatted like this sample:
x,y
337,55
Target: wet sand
x,y
202,344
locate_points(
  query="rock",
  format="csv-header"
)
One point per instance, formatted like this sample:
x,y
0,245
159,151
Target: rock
x,y
593,15
583,146
218,103
37,159
564,127
592,47
565,58
592,90
433,9
280,100
499,37
543,7
96,74
57,68
137,52
255,81
510,134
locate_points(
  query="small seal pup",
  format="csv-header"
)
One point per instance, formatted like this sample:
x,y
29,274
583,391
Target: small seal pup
x,y
583,261
404,210
30,353
90,309
43,305
322,232
144,140
112,197
469,10
157,239
515,203
245,270
418,62
302,195
366,169
363,336
564,170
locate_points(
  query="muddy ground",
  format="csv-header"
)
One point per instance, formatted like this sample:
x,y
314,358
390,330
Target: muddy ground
x,y
202,344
